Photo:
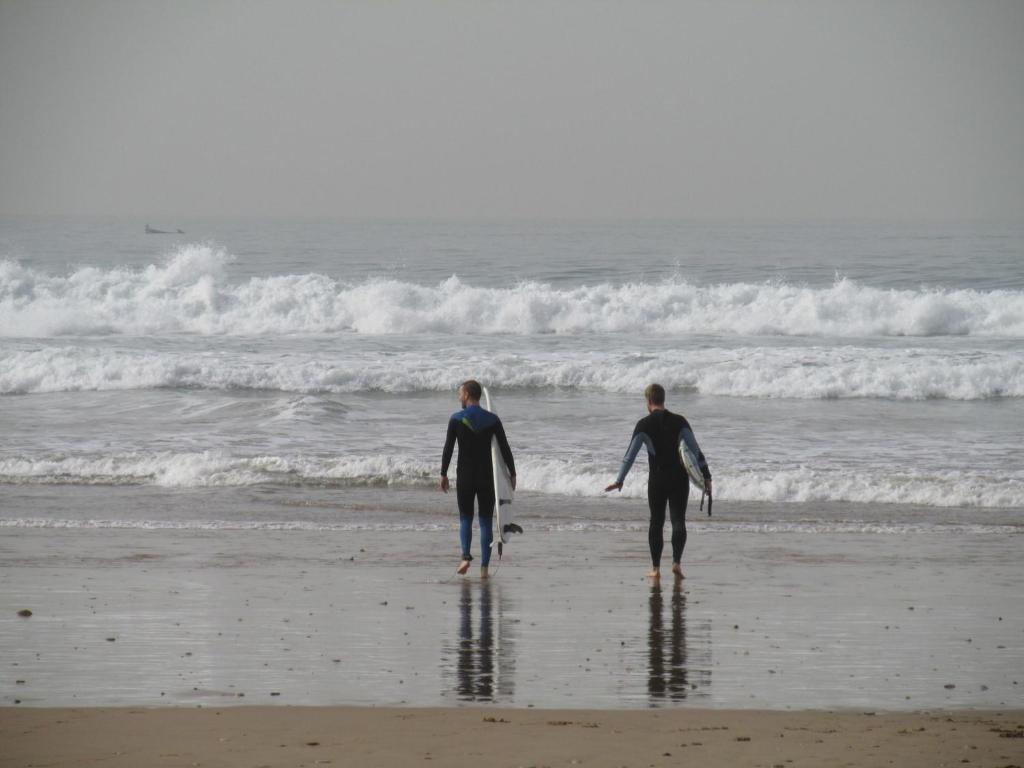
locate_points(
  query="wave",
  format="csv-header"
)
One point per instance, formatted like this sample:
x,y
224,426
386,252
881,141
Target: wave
x,y
557,477
798,372
191,294
533,525
799,485
215,469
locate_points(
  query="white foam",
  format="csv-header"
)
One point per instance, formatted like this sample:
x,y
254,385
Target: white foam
x,y
534,525
701,524
936,489
557,477
799,485
798,372
215,469
219,525
190,293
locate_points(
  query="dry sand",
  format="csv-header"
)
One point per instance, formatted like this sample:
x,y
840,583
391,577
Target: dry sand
x,y
353,736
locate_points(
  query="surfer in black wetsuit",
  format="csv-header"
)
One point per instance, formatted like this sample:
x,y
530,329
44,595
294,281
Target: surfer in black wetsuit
x,y
473,428
660,433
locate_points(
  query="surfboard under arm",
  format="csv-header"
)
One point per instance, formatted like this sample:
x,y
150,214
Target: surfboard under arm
x,y
689,458
503,492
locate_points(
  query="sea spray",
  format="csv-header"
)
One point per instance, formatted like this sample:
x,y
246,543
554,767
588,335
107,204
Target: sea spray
x,y
190,293
799,371
573,477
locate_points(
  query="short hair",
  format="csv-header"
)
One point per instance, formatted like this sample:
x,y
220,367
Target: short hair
x,y
473,388
655,393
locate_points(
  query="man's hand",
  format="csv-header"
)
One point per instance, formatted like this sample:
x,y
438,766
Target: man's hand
x,y
513,479
613,487
707,485
444,483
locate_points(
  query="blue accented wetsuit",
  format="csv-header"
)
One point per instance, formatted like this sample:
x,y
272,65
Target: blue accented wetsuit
x,y
660,433
473,428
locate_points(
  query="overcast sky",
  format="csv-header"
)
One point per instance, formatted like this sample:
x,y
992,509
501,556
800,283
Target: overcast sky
x,y
513,109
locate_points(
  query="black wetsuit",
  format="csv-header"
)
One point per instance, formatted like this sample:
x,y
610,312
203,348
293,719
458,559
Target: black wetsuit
x,y
473,428
668,484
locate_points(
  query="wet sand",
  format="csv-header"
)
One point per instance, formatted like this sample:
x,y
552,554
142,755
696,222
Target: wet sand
x,y
200,648
763,621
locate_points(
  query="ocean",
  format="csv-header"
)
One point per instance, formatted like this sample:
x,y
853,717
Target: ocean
x,y
220,454
839,376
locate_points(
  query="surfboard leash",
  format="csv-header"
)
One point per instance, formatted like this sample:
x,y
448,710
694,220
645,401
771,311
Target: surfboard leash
x,y
500,547
704,493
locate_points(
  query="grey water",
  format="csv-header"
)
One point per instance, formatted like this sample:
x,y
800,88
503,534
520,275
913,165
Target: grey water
x,y
873,367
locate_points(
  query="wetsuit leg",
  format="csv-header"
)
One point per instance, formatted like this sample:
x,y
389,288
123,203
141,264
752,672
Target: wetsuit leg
x,y
485,499
677,498
465,494
657,498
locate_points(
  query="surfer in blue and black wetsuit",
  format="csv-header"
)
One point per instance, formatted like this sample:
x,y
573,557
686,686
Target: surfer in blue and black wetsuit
x,y
473,428
660,432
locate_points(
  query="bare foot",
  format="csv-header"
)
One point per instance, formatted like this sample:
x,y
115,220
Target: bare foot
x,y
654,574
463,567
677,570
483,572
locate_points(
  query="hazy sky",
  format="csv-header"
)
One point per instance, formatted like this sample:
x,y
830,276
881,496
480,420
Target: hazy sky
x,y
513,109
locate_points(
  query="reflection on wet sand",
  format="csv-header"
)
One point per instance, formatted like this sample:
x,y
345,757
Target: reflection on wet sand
x,y
672,672
483,655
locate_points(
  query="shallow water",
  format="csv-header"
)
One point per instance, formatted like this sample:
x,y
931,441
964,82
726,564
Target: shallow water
x,y
792,620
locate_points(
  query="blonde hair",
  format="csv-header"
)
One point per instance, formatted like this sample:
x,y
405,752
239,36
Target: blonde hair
x,y
655,394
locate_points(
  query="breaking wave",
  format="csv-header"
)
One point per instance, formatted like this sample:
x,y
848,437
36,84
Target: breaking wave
x,y
763,372
558,477
190,293
614,526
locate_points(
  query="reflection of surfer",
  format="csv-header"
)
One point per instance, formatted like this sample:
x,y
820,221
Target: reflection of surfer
x,y
481,653
661,432
476,673
667,680
473,428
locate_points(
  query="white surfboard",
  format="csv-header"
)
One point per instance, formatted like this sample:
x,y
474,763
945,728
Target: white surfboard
x,y
692,466
504,526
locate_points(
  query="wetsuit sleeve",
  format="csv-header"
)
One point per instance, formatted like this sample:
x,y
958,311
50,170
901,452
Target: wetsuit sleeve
x,y
640,440
506,451
449,447
691,442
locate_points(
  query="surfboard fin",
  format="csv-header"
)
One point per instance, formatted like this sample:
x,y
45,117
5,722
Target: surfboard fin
x,y
512,528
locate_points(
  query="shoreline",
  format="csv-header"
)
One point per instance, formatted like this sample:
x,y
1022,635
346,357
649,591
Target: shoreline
x,y
172,618
464,736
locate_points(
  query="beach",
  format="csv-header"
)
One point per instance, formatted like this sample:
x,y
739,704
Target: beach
x,y
181,617
249,261
220,530
292,647
258,260
262,736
